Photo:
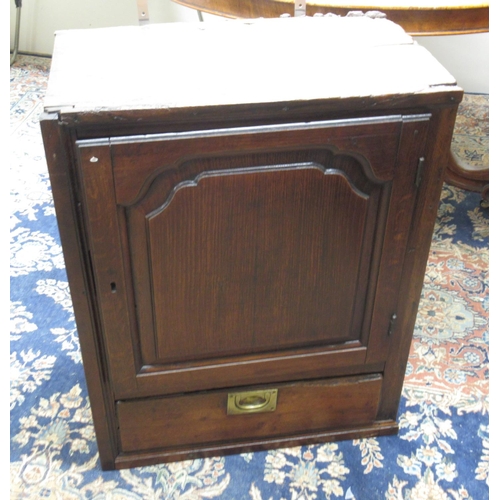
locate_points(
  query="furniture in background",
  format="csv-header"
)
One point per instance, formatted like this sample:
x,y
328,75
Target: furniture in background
x,y
417,17
468,176
245,237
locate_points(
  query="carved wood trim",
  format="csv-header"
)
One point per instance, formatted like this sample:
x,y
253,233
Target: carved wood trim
x,y
252,170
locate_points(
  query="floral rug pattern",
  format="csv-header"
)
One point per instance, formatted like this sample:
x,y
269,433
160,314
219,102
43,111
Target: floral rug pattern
x,y
440,453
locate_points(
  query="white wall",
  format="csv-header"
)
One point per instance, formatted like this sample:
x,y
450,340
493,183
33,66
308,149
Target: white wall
x,y
41,18
465,56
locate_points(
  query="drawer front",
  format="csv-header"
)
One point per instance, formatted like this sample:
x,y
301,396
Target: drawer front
x,y
299,408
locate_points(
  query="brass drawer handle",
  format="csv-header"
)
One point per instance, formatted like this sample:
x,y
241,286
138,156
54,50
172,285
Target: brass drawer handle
x,y
252,402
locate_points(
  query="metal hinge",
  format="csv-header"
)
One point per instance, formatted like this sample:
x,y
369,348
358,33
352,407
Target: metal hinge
x,y
420,169
392,324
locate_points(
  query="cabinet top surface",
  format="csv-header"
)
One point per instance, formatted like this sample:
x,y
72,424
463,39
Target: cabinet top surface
x,y
185,65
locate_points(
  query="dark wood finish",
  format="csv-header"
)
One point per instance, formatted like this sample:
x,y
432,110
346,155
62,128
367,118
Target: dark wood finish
x,y
202,419
380,428
225,280
412,141
217,242
57,142
417,252
416,17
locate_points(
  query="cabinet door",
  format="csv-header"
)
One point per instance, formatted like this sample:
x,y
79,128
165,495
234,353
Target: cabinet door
x,y
248,255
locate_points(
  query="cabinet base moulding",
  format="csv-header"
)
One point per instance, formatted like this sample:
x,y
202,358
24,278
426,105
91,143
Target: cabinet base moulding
x,y
128,460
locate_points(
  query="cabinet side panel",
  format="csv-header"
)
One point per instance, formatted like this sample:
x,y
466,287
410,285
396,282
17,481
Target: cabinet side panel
x,y
57,148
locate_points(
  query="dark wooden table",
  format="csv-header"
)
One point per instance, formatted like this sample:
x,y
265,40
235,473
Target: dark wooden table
x,y
417,17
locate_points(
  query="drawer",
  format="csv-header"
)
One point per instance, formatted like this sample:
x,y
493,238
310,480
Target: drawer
x,y
272,411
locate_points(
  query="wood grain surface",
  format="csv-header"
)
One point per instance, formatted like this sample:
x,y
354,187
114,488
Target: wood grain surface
x,y
237,62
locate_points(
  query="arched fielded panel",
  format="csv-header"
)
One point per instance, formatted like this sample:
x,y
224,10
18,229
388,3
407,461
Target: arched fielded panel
x,y
255,259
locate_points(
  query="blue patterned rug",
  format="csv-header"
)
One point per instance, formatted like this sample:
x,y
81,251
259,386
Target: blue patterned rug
x,y
441,452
